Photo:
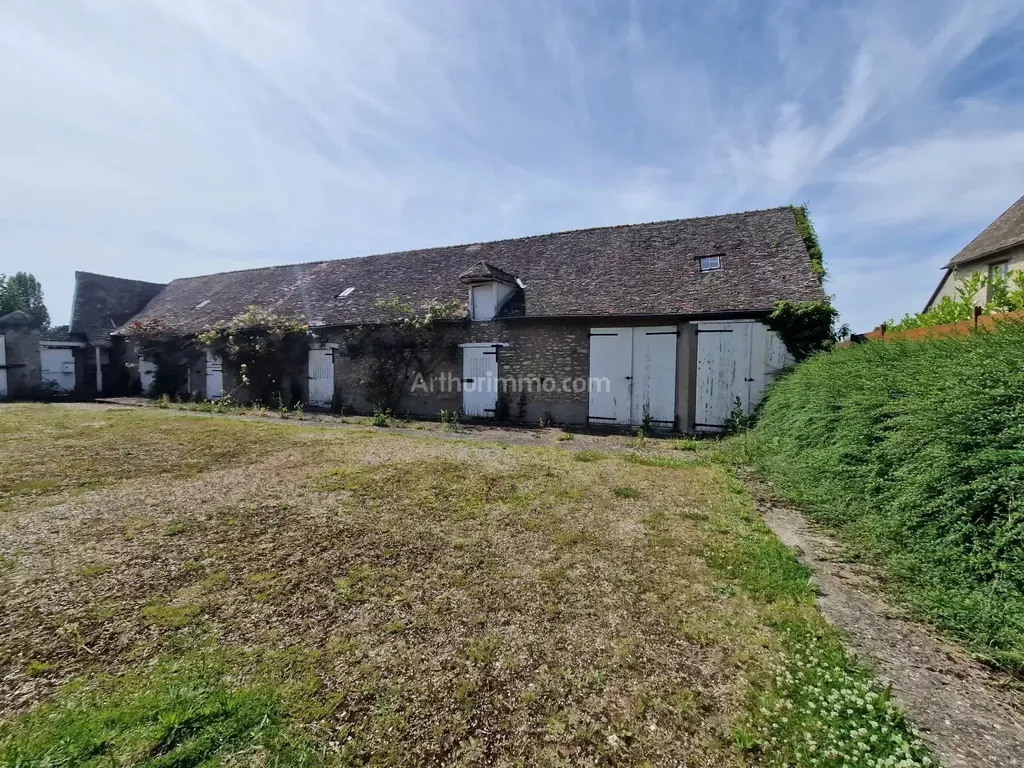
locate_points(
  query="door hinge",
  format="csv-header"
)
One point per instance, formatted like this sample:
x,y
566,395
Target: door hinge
x,y
749,379
714,330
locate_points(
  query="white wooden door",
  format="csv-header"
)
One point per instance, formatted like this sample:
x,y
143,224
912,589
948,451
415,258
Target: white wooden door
x,y
214,376
723,373
3,370
321,376
654,376
611,375
147,374
58,366
479,379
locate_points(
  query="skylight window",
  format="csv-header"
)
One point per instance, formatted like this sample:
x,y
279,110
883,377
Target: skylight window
x,y
710,263
202,304
344,293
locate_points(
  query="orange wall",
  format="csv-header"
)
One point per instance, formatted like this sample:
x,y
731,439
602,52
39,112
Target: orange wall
x,y
949,329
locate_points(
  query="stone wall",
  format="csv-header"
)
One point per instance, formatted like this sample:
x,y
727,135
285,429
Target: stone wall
x,y
538,362
24,366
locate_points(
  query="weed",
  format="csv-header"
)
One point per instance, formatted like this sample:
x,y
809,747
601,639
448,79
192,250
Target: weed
x,y
162,614
626,493
656,461
451,421
587,456
381,417
564,437
93,570
37,668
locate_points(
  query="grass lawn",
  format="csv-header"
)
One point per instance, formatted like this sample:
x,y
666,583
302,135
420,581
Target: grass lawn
x,y
183,591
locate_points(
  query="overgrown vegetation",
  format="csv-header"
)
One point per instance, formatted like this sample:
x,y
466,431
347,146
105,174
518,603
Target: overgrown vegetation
x,y
806,327
396,601
822,709
409,341
180,713
1003,294
168,349
263,347
810,238
914,450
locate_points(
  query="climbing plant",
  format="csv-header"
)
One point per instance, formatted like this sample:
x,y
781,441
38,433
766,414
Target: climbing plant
x,y
262,346
407,342
167,349
810,238
806,327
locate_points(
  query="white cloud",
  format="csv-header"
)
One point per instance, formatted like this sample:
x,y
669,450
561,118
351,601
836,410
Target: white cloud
x,y
178,137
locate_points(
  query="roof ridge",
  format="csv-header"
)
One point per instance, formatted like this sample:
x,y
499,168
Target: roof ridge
x,y
481,242
115,277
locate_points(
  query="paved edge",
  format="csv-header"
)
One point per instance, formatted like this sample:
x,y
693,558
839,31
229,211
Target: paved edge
x,y
962,709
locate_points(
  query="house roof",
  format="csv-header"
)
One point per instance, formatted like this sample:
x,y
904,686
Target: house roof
x,y
103,303
1005,232
15,318
640,269
482,271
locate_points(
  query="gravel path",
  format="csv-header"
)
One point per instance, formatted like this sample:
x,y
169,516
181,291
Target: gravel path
x,y
965,711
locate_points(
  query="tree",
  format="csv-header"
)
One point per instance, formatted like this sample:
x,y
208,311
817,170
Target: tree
x,y
22,291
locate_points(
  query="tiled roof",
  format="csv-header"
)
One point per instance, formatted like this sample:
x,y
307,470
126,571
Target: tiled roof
x,y
15,318
1005,232
641,269
103,303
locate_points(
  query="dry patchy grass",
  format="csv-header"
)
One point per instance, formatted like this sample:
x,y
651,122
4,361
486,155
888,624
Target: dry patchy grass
x,y
401,600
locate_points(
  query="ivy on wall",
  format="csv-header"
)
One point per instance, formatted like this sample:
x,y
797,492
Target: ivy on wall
x,y
263,347
409,341
810,238
806,327
167,349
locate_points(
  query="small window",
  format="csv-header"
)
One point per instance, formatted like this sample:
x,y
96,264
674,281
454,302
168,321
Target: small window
x,y
202,304
710,263
996,272
344,293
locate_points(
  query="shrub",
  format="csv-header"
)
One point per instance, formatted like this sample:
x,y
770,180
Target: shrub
x,y
381,417
913,449
451,421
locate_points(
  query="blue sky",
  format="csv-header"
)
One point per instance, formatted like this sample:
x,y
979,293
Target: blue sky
x,y
167,138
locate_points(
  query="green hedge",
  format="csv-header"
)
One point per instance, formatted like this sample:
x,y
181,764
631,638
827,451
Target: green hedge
x,y
915,451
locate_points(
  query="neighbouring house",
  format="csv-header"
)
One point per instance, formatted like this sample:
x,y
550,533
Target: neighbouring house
x,y
998,249
658,324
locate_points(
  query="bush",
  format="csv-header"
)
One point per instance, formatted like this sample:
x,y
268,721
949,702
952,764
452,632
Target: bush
x,y
914,450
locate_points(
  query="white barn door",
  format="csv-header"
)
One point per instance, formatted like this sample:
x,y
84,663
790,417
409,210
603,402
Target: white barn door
x,y
3,370
214,376
321,376
479,379
611,375
723,373
58,364
147,374
654,376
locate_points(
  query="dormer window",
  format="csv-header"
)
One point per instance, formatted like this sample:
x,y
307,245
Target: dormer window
x,y
482,301
490,288
711,263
